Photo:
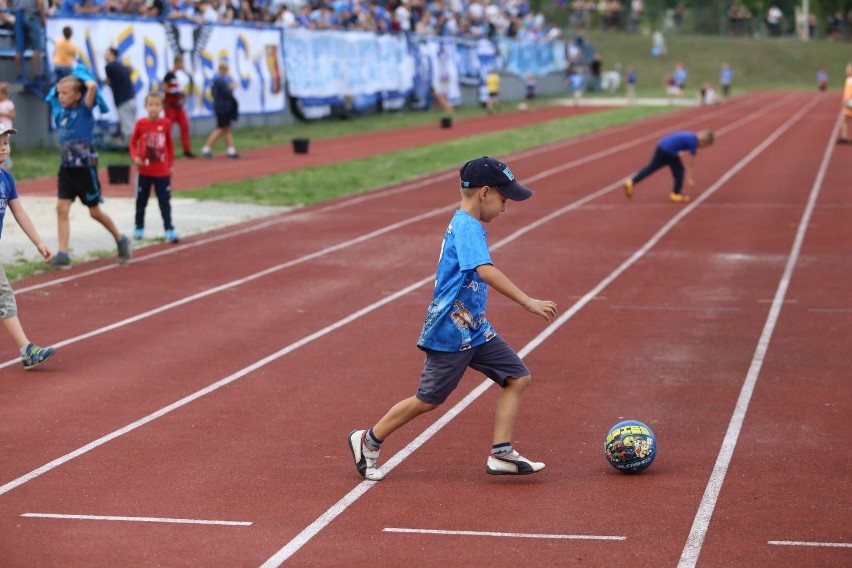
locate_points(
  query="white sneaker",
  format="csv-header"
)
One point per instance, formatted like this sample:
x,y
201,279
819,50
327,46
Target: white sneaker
x,y
365,458
512,464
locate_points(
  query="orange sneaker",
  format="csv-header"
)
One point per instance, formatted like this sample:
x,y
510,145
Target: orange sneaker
x,y
679,198
628,188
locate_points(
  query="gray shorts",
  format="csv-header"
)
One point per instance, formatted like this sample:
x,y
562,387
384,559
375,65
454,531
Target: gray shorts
x,y
443,370
8,306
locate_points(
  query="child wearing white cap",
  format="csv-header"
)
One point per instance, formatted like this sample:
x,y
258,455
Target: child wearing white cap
x,y
31,354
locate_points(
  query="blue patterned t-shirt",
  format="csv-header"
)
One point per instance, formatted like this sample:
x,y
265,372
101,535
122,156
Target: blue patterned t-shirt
x,y
8,192
75,126
455,320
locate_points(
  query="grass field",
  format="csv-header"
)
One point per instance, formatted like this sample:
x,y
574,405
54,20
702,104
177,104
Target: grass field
x,y
758,64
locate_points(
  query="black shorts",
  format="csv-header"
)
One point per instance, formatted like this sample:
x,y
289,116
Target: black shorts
x,y
223,119
82,183
443,371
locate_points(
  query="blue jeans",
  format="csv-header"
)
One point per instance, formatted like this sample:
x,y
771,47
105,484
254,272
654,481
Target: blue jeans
x,y
659,160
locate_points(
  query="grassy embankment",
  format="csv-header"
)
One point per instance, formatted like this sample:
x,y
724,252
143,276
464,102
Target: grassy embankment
x,y
758,64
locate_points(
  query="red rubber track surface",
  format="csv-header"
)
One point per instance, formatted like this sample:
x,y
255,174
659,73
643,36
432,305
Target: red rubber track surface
x,y
303,328
198,173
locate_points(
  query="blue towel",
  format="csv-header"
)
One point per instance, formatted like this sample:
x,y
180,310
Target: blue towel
x,y
84,74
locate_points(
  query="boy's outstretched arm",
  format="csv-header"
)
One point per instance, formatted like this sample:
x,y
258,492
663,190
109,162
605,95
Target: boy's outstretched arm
x,y
500,282
28,227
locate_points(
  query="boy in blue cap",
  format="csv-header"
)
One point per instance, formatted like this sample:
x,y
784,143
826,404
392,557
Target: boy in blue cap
x,y
456,333
31,354
667,153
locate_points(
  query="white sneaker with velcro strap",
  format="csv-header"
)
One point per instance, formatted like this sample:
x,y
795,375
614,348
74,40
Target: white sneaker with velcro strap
x,y
511,464
365,458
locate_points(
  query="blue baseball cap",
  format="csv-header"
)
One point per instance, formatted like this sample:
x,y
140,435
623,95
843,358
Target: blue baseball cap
x,y
493,173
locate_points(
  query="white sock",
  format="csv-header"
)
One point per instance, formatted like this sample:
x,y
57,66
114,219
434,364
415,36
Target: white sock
x,y
232,150
205,150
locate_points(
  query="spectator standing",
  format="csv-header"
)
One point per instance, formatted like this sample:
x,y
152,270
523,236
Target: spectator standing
x,y
176,84
492,85
847,107
78,173
119,79
680,75
34,13
153,152
773,20
31,354
822,79
7,116
631,79
658,44
677,16
595,68
637,8
64,54
529,92
726,76
225,107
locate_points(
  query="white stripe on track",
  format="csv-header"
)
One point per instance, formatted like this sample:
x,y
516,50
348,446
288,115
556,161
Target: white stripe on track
x,y
805,543
334,248
381,192
505,534
335,510
695,540
136,519
262,362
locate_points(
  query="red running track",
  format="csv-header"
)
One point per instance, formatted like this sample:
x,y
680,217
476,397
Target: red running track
x,y
255,163
217,380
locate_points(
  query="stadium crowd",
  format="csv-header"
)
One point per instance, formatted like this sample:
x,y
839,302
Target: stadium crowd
x,y
459,18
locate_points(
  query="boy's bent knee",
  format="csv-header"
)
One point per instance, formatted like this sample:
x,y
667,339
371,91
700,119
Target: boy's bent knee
x,y
520,382
424,406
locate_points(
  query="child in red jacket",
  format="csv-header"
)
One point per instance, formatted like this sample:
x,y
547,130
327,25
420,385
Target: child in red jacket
x,y
153,152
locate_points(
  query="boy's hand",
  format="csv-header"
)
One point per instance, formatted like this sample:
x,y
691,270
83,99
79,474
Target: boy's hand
x,y
45,252
543,308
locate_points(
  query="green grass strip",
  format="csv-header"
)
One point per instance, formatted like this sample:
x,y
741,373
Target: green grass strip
x,y
315,184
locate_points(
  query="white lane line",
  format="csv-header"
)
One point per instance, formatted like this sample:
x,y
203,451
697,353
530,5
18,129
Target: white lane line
x,y
804,543
136,519
341,505
695,540
396,188
360,489
328,250
506,534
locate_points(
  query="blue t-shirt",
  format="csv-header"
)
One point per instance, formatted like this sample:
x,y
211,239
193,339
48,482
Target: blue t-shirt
x,y
222,94
8,192
455,320
75,136
678,142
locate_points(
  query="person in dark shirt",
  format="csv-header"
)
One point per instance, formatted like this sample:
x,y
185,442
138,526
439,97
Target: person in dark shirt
x,y
119,80
667,153
225,107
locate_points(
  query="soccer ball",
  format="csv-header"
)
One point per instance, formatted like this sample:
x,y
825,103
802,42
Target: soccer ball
x,y
630,446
